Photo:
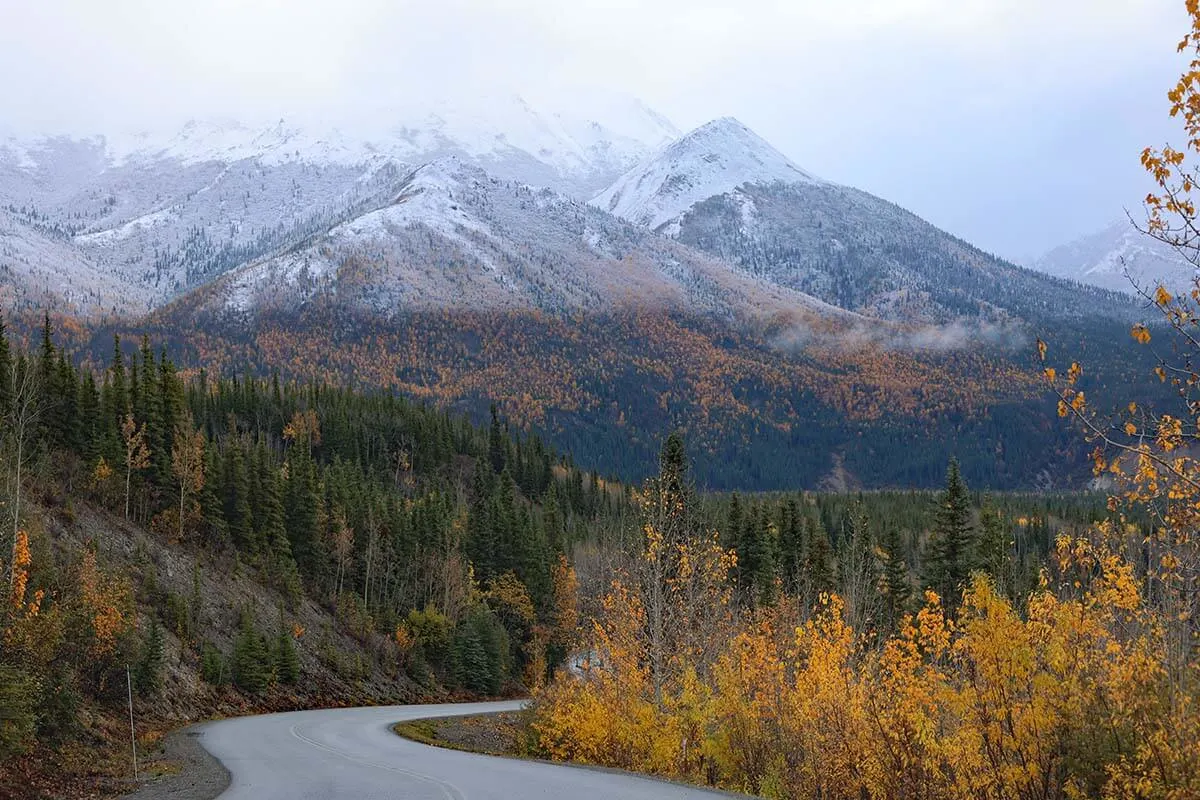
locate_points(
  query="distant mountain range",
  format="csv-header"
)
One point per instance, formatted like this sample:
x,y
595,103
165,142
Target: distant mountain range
x,y
477,211
1121,258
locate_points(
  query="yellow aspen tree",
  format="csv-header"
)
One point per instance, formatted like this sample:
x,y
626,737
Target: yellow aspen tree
x,y
137,452
187,464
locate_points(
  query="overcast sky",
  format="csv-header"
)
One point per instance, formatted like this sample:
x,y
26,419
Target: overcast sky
x,y
1015,124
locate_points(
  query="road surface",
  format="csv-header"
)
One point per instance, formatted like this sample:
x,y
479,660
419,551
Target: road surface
x,y
352,754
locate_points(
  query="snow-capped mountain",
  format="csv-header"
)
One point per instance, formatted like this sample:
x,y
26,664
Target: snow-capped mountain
x,y
1121,258
455,237
711,160
724,190
444,212
161,214
506,134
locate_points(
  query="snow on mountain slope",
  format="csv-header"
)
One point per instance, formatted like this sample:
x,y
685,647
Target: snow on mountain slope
x,y
1118,258
455,237
723,190
711,160
40,269
165,213
574,153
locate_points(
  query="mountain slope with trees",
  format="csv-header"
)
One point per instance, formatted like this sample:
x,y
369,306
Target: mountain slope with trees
x,y
245,543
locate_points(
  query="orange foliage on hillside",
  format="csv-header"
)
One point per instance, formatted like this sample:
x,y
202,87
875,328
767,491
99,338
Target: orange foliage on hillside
x,y
535,364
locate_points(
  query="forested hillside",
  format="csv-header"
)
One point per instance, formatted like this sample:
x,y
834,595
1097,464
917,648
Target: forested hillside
x,y
243,542
770,406
248,543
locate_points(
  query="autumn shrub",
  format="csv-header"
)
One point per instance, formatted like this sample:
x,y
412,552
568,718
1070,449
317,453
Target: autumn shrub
x,y
1070,699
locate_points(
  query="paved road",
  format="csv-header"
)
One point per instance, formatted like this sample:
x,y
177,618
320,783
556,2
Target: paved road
x,y
352,754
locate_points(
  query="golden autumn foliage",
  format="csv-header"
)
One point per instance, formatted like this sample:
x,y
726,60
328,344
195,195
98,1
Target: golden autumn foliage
x,y
536,365
106,601
1152,455
1070,699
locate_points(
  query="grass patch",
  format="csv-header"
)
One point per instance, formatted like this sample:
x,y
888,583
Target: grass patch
x,y
503,734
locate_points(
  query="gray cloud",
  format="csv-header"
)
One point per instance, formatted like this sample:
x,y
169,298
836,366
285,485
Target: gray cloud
x,y
1013,123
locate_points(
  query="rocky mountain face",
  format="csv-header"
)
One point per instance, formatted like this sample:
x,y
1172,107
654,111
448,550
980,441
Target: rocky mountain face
x,y
469,211
1120,258
451,236
159,215
725,191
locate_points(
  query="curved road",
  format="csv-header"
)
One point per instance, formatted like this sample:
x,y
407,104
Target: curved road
x,y
352,754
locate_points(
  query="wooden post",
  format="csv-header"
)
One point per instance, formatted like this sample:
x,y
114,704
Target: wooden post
x,y
132,736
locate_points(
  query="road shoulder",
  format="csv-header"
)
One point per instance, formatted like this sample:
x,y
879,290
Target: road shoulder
x,y
182,770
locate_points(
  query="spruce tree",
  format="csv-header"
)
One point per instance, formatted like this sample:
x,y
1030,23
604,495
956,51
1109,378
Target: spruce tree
x,y
818,562
791,545
287,663
237,510
994,550
212,665
302,512
952,547
497,446
733,525
552,522
147,675
895,575
6,365
251,662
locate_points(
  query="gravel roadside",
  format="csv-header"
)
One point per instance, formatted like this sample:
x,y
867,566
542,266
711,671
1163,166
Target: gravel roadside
x,y
183,770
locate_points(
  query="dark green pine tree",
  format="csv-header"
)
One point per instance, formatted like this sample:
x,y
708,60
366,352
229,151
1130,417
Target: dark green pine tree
x,y
756,569
674,480
951,554
251,662
237,510
482,543
301,516
896,581
88,422
67,404
114,405
287,662
273,528
212,665
733,526
212,503
497,443
50,420
553,523
147,674
504,522
158,436
994,551
791,545
818,561
170,398
858,567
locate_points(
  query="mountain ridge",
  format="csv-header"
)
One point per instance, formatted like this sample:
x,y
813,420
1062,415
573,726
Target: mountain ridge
x,y
712,159
1119,257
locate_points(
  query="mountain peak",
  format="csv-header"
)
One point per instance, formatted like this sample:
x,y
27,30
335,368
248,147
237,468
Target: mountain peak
x,y
711,160
1122,258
